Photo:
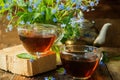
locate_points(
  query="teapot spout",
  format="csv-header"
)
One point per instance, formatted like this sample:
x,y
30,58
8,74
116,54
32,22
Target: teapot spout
x,y
102,35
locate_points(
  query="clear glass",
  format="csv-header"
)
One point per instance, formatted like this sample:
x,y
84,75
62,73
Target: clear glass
x,y
80,61
38,38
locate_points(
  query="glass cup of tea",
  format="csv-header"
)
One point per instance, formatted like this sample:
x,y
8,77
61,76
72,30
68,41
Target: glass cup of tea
x,y
38,38
80,61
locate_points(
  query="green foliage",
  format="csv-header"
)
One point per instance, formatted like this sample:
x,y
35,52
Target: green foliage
x,y
56,12
105,58
26,56
61,71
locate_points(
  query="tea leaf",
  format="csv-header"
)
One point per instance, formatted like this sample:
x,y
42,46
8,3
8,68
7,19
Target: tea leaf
x,y
26,56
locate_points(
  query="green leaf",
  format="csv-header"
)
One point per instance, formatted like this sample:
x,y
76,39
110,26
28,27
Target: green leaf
x,y
36,15
26,56
49,2
4,1
61,71
20,13
48,13
105,57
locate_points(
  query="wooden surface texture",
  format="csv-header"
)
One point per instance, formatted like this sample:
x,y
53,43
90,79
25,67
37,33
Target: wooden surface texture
x,y
101,73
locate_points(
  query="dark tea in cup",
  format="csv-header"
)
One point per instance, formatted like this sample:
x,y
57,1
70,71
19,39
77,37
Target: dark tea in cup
x,y
36,42
80,61
38,38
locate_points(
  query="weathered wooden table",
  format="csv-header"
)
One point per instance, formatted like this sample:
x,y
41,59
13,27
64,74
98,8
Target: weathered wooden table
x,y
102,73
105,71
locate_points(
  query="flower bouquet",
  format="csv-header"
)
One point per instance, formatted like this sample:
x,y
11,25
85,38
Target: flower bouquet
x,y
67,15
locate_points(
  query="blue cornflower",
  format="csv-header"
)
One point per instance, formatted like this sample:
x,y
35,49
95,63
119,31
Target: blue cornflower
x,y
35,5
90,48
81,20
6,6
84,8
73,19
73,1
8,17
72,22
28,22
29,9
87,35
68,8
46,78
61,6
53,11
102,63
57,1
22,22
42,13
92,3
54,20
31,60
77,6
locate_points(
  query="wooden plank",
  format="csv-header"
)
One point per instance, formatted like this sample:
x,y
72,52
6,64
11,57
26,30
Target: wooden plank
x,y
9,62
114,69
100,74
5,75
113,65
9,51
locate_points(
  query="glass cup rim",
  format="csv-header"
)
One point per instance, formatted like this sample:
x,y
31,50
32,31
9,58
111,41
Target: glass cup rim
x,y
97,50
80,46
36,26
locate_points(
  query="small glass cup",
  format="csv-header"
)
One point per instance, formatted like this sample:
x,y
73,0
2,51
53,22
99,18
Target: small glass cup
x,y
38,38
80,61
